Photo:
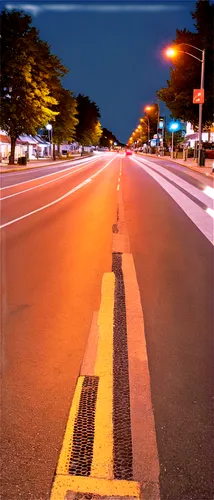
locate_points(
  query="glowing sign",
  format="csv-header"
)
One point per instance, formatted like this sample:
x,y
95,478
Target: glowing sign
x,y
174,126
198,96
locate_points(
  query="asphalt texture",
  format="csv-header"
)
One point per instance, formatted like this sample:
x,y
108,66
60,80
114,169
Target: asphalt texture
x,y
52,267
11,178
174,266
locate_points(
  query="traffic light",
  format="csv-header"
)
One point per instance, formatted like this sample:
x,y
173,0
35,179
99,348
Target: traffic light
x,y
161,123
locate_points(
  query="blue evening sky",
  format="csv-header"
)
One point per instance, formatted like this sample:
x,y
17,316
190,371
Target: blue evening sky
x,y
112,50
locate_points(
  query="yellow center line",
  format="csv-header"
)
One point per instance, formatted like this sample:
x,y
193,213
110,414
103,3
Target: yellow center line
x,y
102,464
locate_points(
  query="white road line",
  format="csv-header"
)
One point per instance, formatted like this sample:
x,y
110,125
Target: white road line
x,y
209,192
118,187
77,162
210,212
198,193
79,186
200,217
47,182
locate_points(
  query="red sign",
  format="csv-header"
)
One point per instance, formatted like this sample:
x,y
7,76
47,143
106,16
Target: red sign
x,y
198,96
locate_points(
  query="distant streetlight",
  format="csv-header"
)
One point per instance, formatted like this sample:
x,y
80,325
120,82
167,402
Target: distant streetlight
x,y
149,108
173,52
173,127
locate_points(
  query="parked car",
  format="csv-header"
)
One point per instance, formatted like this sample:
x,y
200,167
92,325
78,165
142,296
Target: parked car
x,y
128,152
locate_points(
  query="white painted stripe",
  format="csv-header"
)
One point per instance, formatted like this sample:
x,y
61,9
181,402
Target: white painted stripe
x,y
74,164
118,187
209,192
9,223
44,183
199,216
210,212
198,193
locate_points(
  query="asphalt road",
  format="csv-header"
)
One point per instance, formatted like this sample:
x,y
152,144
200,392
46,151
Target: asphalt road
x,y
54,254
52,267
174,266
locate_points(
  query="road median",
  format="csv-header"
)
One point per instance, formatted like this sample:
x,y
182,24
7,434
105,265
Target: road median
x,y
109,448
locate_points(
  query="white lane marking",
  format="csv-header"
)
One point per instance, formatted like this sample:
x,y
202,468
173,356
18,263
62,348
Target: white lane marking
x,y
47,182
210,212
58,199
75,163
200,195
199,216
209,192
118,187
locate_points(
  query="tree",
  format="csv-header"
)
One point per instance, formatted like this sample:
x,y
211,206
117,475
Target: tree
x,y
186,71
30,76
88,116
108,138
64,127
96,134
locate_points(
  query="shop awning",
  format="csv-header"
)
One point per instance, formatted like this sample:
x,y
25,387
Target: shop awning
x,y
4,139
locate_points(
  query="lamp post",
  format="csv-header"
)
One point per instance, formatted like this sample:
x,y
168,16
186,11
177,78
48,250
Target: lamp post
x,y
158,125
172,52
148,108
49,129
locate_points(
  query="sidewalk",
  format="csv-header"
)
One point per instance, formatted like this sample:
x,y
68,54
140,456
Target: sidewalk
x,y
189,163
4,168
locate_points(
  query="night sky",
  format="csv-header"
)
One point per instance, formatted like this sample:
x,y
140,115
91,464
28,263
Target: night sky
x,y
112,51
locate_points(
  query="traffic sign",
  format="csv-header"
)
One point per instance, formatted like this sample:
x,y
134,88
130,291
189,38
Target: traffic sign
x,y
198,96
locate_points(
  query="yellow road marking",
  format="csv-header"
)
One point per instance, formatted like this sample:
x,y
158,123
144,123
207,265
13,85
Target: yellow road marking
x,y
103,487
102,464
63,463
101,479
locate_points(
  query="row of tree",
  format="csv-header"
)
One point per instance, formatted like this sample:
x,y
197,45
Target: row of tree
x,y
186,70
32,93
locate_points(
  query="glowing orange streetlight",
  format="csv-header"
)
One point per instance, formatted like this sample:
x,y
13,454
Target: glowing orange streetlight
x,y
148,108
172,52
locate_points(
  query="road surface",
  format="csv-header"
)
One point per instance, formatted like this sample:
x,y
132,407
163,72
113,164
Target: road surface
x,y
56,244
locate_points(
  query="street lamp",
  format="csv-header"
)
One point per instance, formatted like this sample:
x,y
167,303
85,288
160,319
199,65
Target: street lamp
x,y
173,127
148,108
172,52
49,129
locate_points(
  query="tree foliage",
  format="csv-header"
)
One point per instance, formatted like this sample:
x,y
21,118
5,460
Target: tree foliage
x,y
96,134
30,77
107,138
186,71
88,128
64,127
